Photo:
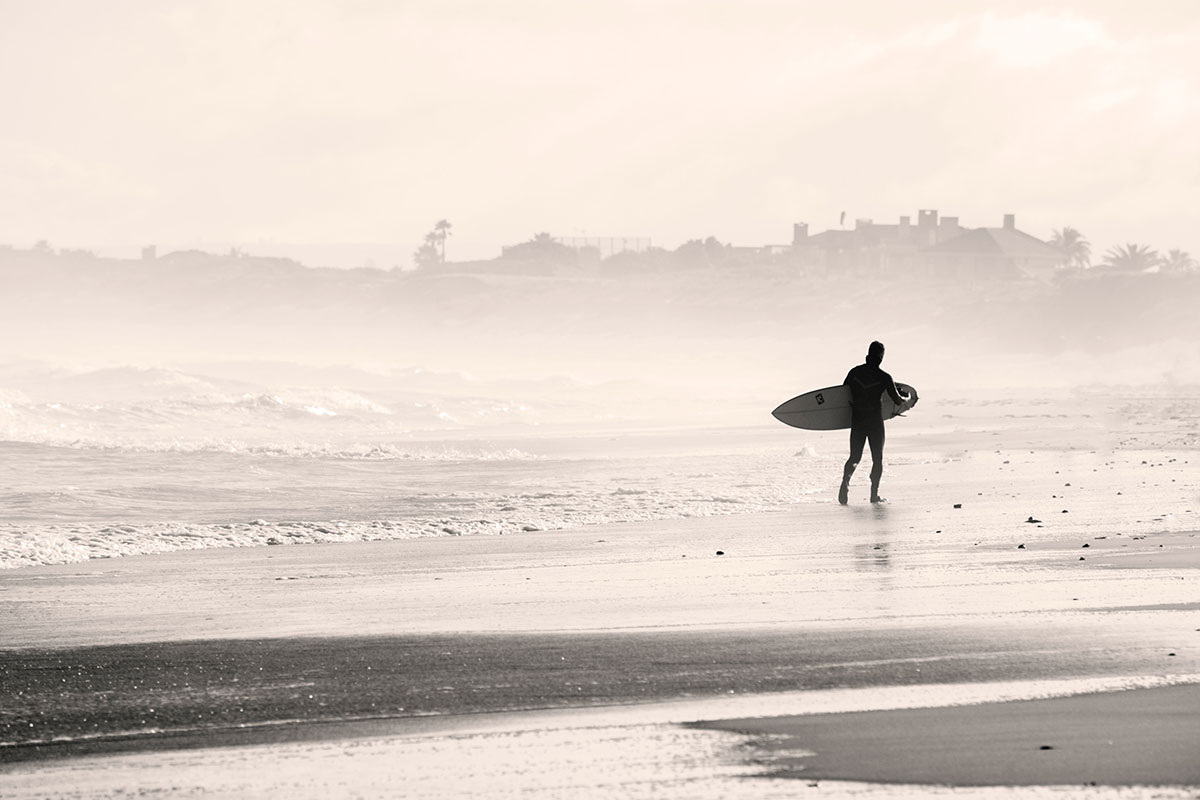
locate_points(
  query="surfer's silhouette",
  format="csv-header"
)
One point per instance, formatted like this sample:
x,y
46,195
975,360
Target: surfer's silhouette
x,y
867,383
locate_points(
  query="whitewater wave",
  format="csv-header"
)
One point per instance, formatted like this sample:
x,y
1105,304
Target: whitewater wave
x,y
351,451
396,501
62,544
167,410
272,403
33,545
329,424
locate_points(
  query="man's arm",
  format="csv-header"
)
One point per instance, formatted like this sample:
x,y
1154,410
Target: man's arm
x,y
893,391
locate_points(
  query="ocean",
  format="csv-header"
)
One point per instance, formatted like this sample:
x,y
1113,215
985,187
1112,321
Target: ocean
x,y
128,461
124,461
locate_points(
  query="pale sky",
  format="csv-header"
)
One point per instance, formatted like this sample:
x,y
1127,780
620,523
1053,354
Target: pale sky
x,y
131,121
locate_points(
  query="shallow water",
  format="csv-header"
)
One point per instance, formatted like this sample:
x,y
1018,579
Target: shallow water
x,y
126,461
70,503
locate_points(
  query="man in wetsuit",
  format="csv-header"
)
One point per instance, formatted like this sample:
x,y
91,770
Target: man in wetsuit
x,y
867,383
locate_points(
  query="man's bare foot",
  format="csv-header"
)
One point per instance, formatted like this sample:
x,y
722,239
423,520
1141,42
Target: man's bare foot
x,y
878,499
844,494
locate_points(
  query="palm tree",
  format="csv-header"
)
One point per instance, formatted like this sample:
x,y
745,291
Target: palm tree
x,y
1178,261
442,231
427,255
1072,244
1131,258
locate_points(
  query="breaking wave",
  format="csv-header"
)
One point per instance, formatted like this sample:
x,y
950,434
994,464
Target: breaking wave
x,y
132,504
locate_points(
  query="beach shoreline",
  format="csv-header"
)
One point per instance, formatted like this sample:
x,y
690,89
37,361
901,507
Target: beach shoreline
x,y
996,565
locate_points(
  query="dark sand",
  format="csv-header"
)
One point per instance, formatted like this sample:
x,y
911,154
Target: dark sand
x,y
1145,737
170,695
66,702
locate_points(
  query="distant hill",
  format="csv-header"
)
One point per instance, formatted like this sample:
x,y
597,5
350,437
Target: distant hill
x,y
563,318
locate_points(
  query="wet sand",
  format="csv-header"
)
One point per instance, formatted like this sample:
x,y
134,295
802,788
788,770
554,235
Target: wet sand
x,y
1145,737
171,695
1056,563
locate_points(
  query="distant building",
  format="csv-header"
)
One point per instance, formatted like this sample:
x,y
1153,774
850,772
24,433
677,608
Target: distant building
x,y
1003,252
606,246
933,246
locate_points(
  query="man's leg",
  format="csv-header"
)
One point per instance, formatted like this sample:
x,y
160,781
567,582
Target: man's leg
x,y
876,436
858,437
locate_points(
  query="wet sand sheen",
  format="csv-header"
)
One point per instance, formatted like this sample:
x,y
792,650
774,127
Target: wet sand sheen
x,y
1142,737
173,695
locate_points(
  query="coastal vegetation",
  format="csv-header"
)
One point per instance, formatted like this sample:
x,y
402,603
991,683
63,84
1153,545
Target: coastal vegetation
x,y
560,303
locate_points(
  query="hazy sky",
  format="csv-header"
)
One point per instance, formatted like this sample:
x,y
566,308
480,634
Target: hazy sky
x,y
131,121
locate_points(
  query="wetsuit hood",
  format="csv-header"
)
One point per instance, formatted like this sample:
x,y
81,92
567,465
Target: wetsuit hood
x,y
875,354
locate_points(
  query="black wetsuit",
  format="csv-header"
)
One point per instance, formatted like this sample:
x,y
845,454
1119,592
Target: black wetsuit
x,y
867,383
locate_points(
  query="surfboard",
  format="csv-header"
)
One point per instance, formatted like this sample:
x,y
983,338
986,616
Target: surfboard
x,y
829,409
